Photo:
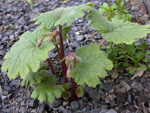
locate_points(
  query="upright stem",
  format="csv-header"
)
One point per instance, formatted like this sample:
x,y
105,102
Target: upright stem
x,y
51,66
58,52
64,69
102,42
73,84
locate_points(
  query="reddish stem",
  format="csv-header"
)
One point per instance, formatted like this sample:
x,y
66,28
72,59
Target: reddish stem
x,y
51,66
58,52
73,84
64,69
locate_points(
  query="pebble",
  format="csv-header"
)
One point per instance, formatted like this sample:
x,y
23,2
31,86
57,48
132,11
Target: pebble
x,y
2,52
67,111
75,105
93,93
79,38
7,88
135,8
112,111
33,103
15,83
96,110
106,87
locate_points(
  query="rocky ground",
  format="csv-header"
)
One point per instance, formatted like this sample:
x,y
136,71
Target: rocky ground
x,y
117,94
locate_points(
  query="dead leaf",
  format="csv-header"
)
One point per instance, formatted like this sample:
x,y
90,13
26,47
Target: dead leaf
x,y
138,73
115,74
143,8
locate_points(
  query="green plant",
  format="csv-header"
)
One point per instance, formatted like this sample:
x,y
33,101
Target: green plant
x,y
117,10
83,68
124,55
30,2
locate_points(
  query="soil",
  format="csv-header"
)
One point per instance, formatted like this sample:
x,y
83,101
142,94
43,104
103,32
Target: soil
x,y
117,94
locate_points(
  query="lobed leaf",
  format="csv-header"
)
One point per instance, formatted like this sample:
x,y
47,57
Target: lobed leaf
x,y
65,31
47,90
99,22
24,56
117,31
60,16
126,32
94,65
36,77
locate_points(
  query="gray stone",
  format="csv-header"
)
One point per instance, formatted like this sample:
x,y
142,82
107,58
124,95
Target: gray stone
x,y
14,83
112,111
79,38
5,38
75,105
33,103
2,52
106,87
135,8
11,37
57,103
93,93
96,110
7,88
67,111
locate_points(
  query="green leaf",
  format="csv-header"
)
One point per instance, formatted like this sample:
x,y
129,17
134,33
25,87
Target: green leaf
x,y
47,90
149,66
65,31
132,70
36,77
30,2
99,22
66,94
24,56
117,31
94,65
61,16
143,67
125,32
144,45
80,91
125,64
131,50
67,86
147,52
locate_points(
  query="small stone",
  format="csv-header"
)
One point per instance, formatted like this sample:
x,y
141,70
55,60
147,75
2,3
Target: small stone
x,y
93,93
79,38
128,111
74,29
33,103
77,33
138,86
57,103
67,111
2,52
80,21
96,110
0,36
135,8
112,111
5,39
21,21
112,102
125,85
75,105
7,88
81,104
11,37
14,83
106,87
